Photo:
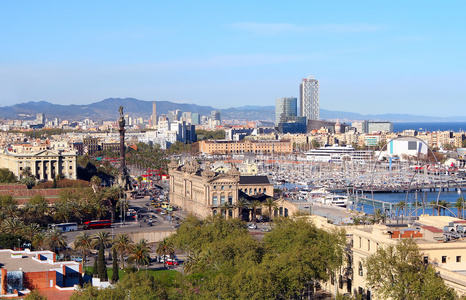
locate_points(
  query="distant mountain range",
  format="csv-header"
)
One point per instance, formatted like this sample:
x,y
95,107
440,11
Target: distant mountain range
x,y
107,109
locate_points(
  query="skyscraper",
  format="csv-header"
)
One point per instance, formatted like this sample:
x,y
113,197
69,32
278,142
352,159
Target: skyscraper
x,y
285,107
309,98
154,113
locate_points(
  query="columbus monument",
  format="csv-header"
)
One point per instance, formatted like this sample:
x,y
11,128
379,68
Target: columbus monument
x,y
123,178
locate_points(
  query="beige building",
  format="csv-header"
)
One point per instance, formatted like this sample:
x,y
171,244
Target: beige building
x,y
204,192
245,146
448,257
44,164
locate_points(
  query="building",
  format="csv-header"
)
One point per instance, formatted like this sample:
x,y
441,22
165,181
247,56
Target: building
x,y
195,119
285,107
40,118
309,98
204,192
29,270
154,114
44,164
245,146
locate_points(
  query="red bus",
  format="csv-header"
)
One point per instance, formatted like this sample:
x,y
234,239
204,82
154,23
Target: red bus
x,y
97,224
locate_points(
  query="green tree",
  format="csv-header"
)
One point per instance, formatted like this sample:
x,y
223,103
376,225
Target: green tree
x,y
271,205
165,248
115,268
95,268
241,204
140,254
101,238
254,205
83,242
35,295
398,271
123,245
6,176
55,239
101,264
460,206
95,183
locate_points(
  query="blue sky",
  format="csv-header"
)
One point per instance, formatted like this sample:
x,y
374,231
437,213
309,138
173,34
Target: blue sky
x,y
370,57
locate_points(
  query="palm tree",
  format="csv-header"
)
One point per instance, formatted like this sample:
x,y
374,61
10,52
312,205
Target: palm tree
x,y
139,180
253,206
459,205
113,195
38,241
95,183
434,207
140,254
444,205
164,248
271,205
83,242
12,226
400,208
241,204
224,207
379,215
29,231
192,261
101,238
55,239
123,245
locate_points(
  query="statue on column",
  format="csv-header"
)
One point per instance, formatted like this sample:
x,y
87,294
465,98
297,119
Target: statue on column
x,y
123,179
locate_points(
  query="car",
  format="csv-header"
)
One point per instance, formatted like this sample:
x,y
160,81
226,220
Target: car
x,y
267,229
172,263
252,226
147,204
176,226
162,212
149,224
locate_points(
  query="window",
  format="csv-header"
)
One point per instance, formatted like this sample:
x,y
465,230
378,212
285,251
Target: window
x,y
214,201
230,200
222,187
426,259
360,243
360,270
444,259
368,245
458,259
222,199
215,187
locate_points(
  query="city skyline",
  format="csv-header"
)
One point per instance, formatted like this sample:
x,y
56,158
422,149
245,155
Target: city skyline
x,y
369,58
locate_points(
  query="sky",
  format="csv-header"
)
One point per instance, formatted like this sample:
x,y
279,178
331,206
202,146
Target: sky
x,y
370,57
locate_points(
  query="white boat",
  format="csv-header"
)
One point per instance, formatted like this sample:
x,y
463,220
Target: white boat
x,y
336,200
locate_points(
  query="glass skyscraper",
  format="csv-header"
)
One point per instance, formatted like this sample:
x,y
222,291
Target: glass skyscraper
x,y
284,108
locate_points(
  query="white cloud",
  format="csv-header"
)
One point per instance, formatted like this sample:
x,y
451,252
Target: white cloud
x,y
278,28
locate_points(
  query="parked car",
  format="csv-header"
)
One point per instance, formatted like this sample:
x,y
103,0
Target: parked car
x,y
172,263
252,226
267,229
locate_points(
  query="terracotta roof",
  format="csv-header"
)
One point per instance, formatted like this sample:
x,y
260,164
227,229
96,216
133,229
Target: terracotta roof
x,y
431,229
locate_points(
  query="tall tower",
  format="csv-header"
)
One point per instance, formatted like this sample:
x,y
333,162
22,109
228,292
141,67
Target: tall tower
x,y
309,98
154,114
285,107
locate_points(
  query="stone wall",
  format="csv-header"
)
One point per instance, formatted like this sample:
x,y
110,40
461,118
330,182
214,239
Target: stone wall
x,y
150,236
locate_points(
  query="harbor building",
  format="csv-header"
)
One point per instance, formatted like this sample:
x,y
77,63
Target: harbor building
x,y
309,98
245,146
204,192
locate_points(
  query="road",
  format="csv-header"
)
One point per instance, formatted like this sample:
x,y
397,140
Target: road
x,y
160,223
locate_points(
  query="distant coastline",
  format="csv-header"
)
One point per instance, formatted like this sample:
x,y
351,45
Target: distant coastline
x,y
429,126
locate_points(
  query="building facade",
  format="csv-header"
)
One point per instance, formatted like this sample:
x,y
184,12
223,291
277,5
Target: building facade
x,y
43,165
204,192
309,98
285,107
245,146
